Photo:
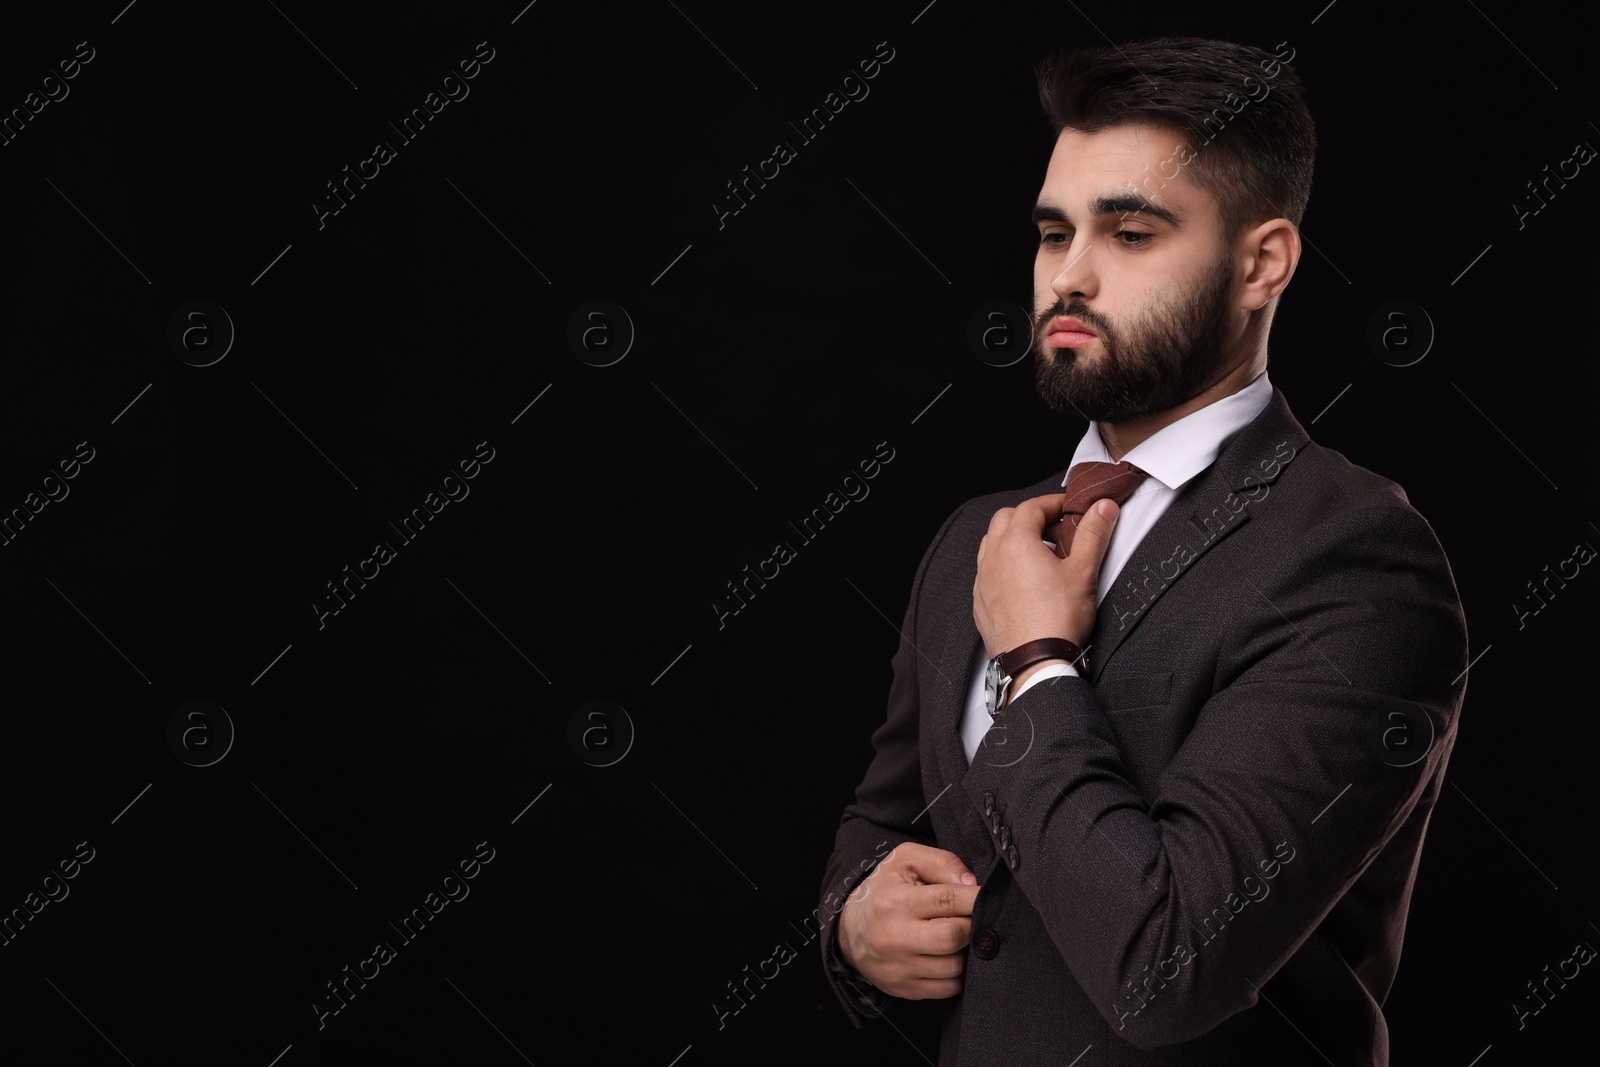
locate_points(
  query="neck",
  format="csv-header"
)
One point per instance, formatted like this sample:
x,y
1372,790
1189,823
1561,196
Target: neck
x,y
1123,437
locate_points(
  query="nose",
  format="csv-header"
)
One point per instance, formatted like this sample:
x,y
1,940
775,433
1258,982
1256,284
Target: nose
x,y
1074,276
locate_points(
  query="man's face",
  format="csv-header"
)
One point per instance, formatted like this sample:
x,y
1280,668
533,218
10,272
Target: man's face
x,y
1135,252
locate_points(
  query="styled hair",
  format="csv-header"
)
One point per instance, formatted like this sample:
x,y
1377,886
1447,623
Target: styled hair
x,y
1252,143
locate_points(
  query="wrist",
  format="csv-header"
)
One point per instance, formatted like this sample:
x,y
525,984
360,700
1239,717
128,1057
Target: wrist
x,y
1028,672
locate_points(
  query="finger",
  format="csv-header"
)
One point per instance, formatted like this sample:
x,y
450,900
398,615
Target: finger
x,y
1038,512
1094,534
939,968
931,989
939,936
1050,509
938,901
936,864
999,520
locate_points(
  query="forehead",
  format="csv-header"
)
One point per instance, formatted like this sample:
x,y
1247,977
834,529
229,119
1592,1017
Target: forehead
x,y
1131,158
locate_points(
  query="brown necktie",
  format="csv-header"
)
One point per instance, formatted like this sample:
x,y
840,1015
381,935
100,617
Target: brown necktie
x,y
1086,483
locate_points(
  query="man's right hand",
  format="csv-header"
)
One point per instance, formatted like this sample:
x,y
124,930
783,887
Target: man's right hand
x,y
906,928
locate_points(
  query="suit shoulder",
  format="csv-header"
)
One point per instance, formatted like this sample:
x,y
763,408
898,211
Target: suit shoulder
x,y
1338,500
1321,480
1330,488
1356,483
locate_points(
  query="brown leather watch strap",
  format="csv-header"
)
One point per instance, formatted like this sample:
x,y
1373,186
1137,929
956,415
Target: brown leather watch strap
x,y
1028,653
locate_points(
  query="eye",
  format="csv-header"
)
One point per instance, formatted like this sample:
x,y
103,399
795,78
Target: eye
x,y
1135,238
1049,239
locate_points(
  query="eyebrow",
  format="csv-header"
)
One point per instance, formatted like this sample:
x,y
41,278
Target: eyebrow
x,y
1121,204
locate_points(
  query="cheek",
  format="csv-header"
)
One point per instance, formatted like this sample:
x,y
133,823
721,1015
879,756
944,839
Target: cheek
x,y
1162,290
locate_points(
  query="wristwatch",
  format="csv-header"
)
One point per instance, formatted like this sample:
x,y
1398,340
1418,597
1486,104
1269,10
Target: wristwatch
x,y
1007,665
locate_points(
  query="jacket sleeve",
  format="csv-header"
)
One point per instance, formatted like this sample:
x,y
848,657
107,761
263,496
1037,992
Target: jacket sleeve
x,y
1331,656
887,804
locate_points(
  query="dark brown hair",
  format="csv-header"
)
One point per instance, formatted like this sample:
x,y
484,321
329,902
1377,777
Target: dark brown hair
x,y
1253,139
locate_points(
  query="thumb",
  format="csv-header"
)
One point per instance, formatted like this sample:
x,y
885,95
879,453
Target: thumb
x,y
1094,534
937,865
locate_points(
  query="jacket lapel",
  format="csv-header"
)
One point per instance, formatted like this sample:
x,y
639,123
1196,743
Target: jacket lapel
x,y
1212,506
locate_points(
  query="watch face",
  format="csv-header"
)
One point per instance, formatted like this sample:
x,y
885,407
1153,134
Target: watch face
x,y
991,685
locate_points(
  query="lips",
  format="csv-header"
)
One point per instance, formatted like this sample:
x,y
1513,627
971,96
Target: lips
x,y
1068,333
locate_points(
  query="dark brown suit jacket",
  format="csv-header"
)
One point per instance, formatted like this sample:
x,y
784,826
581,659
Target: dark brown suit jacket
x,y
1212,835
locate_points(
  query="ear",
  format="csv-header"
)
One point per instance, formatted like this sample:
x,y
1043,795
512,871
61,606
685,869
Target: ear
x,y
1270,251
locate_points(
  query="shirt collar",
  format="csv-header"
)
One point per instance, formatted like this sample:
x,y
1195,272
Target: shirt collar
x,y
1178,452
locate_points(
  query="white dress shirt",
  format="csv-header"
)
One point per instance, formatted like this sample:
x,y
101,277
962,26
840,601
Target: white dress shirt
x,y
1171,456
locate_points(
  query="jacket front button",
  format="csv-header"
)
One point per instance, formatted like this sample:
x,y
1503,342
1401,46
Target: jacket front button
x,y
986,946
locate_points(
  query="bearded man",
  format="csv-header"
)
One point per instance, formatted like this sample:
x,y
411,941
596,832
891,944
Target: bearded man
x,y
1166,728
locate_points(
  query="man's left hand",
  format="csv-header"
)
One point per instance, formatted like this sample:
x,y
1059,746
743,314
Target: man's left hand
x,y
1024,590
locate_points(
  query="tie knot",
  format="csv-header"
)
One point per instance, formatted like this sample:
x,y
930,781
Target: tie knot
x,y
1094,480
1086,483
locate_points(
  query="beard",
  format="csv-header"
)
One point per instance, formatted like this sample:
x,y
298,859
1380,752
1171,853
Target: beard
x,y
1167,356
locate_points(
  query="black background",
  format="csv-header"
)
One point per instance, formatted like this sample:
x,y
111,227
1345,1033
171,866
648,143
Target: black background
x,y
772,354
